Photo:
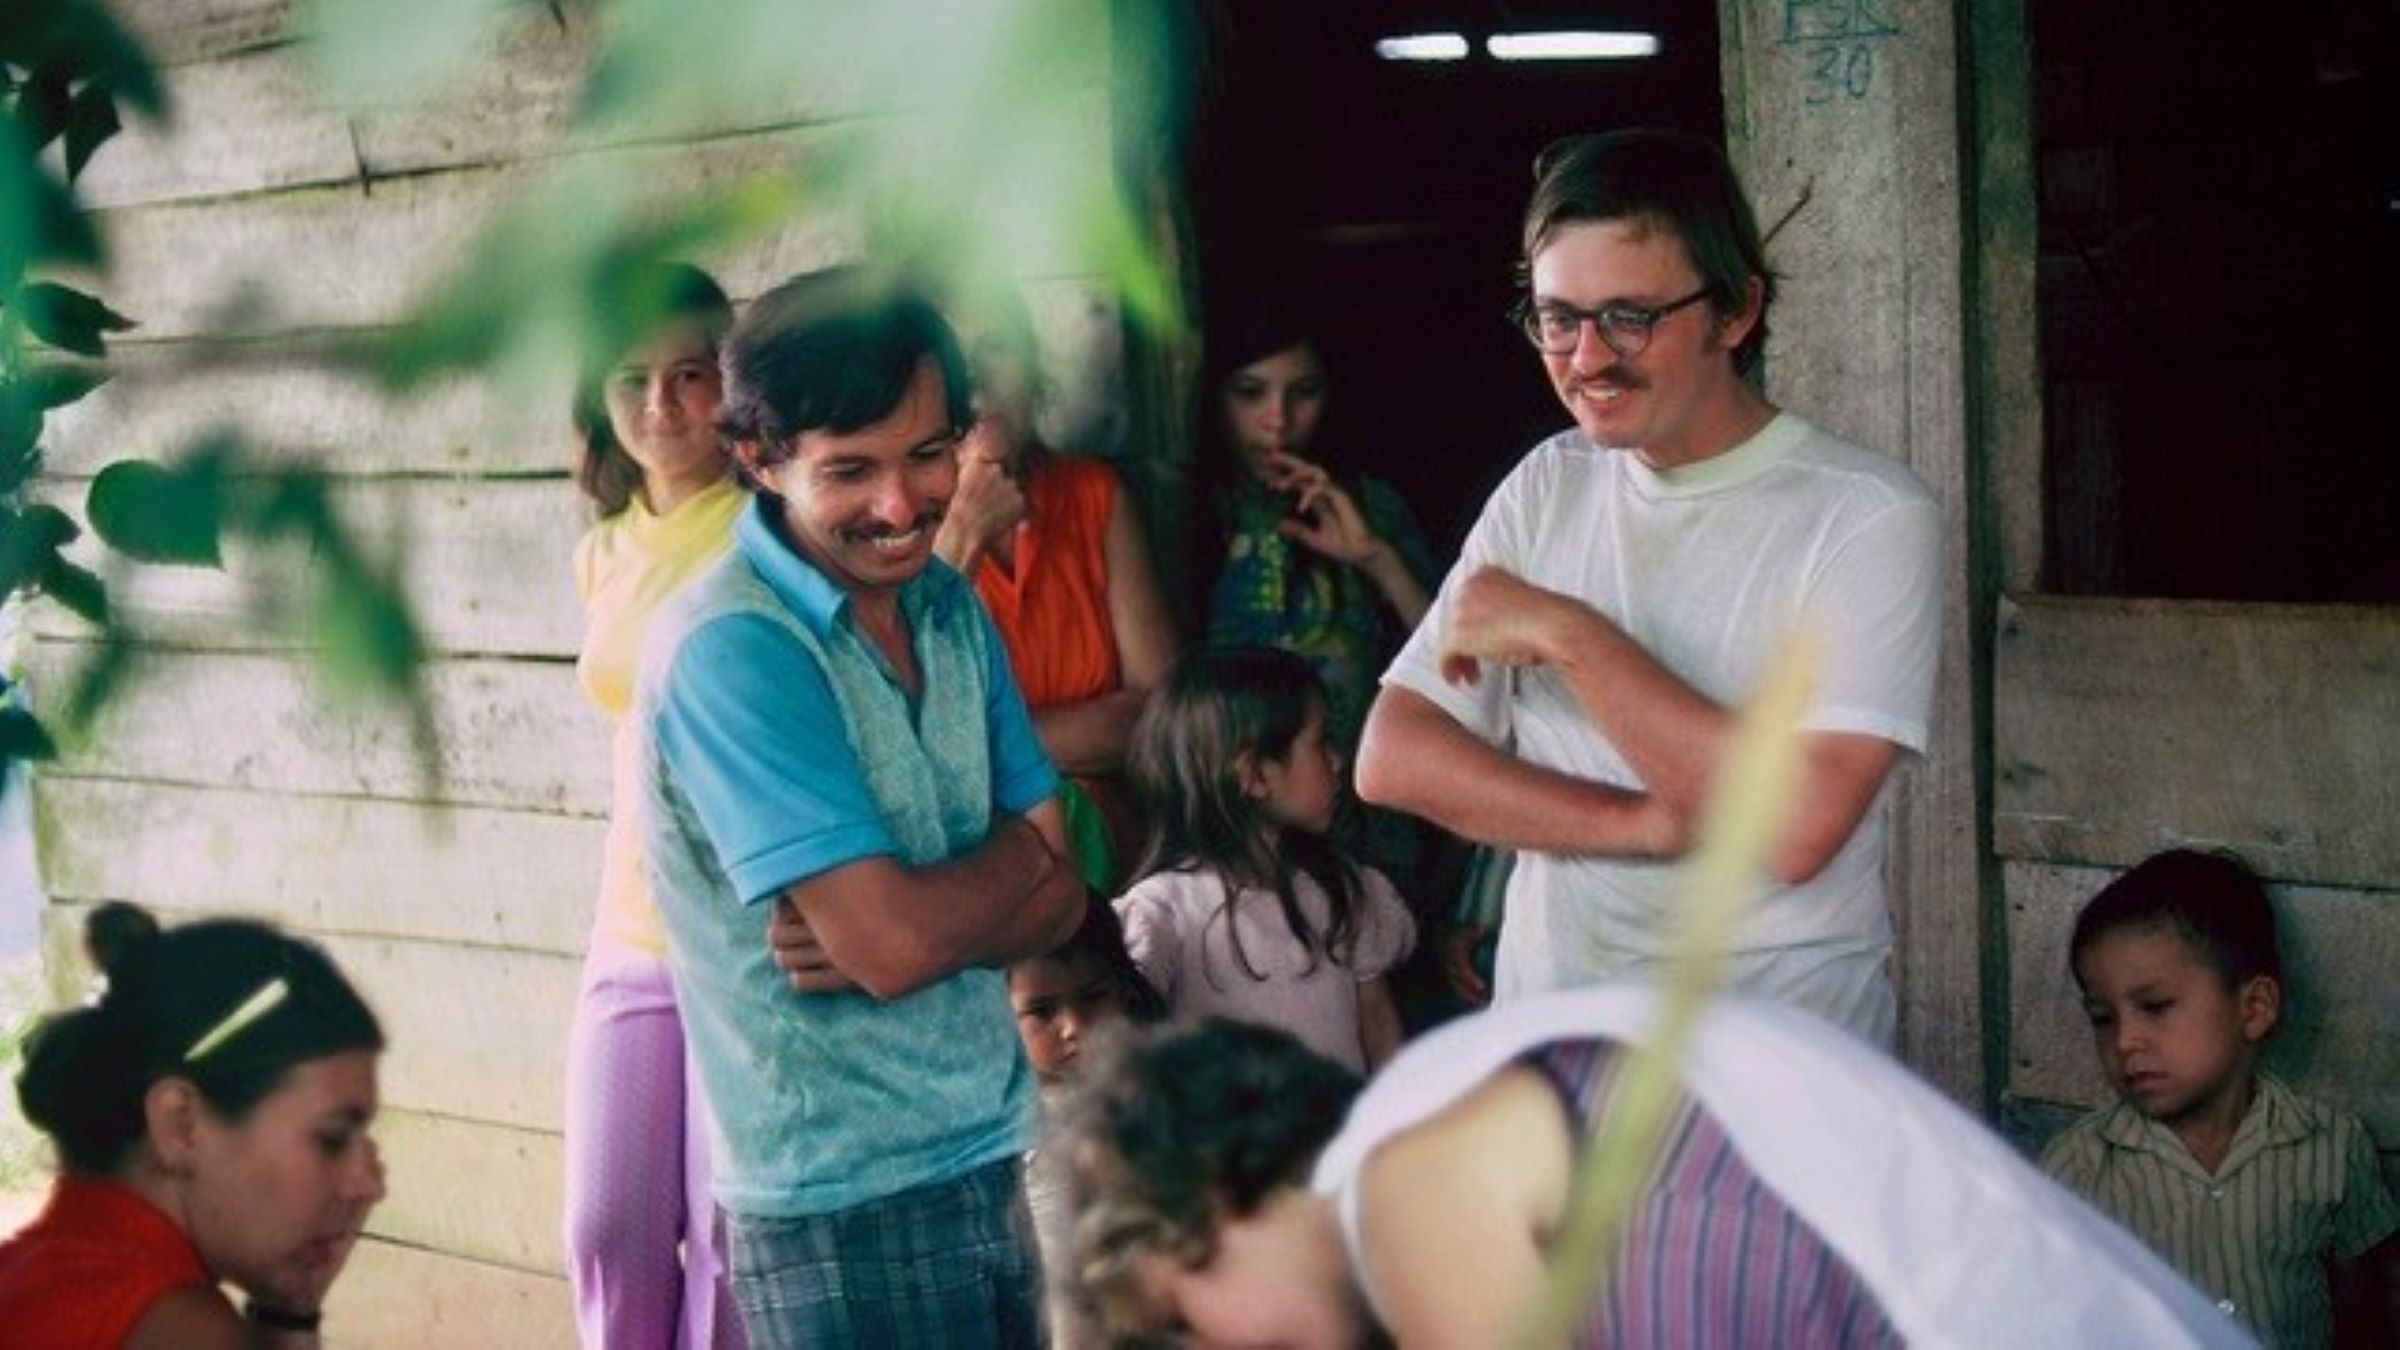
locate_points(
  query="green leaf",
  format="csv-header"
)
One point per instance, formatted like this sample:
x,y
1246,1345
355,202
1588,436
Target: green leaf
x,y
286,502
22,736
44,103
77,590
369,638
81,38
90,122
39,221
47,525
20,436
23,400
110,668
68,319
58,383
29,541
161,515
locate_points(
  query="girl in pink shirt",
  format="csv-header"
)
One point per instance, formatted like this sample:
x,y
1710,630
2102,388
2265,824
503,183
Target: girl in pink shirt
x,y
1246,907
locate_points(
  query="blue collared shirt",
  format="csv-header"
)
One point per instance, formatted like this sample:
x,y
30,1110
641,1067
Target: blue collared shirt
x,y
780,745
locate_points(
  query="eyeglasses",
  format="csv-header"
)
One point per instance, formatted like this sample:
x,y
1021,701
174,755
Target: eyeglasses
x,y
1555,328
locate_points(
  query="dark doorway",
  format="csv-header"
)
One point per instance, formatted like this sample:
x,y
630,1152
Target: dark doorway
x,y
1396,188
2218,226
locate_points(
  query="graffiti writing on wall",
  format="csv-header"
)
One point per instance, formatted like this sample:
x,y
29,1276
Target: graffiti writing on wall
x,y
1839,39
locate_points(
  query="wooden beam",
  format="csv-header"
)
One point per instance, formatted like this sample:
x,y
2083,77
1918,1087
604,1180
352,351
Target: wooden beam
x,y
260,119
2004,341
288,261
251,113
515,734
1843,123
491,1193
174,32
487,566
2128,726
349,865
296,401
394,1297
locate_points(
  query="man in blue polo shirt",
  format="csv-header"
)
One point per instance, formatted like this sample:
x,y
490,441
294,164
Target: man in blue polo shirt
x,y
850,829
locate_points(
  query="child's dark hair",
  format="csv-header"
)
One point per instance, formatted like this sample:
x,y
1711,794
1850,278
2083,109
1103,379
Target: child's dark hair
x,y
833,351
2212,900
175,1007
1174,1129
1217,706
1280,312
1100,939
638,301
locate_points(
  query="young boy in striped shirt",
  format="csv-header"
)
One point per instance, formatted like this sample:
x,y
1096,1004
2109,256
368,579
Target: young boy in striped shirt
x,y
2271,1202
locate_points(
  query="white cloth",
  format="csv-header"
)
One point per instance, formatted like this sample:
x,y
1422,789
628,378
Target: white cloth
x,y
1962,1242
1176,931
1713,569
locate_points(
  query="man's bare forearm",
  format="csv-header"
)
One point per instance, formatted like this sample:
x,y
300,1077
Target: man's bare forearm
x,y
1416,758
893,929
1089,737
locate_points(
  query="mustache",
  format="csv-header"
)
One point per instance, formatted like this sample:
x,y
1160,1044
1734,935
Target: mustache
x,y
926,519
1620,377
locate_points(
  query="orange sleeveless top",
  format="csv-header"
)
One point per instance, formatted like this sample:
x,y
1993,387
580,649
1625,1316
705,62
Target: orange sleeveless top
x,y
1052,607
85,1271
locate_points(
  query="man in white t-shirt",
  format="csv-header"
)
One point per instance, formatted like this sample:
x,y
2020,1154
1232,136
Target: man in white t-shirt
x,y
1629,585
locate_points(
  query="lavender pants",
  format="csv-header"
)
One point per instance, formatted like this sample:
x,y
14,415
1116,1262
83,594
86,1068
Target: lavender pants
x,y
645,1255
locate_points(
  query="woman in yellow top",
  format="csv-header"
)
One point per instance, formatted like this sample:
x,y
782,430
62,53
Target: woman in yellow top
x,y
642,1255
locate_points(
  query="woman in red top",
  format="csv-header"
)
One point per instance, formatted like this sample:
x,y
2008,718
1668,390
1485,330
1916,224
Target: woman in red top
x,y
1057,553
210,1112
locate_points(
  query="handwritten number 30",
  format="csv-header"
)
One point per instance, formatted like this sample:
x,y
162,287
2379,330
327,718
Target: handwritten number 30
x,y
1836,70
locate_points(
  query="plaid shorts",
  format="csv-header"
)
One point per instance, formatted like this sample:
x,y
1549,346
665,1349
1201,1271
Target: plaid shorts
x,y
951,1264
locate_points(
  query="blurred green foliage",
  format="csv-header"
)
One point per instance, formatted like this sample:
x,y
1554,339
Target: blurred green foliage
x,y
1748,810
64,69
962,152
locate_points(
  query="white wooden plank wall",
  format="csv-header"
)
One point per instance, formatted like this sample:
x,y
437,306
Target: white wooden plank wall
x,y
252,241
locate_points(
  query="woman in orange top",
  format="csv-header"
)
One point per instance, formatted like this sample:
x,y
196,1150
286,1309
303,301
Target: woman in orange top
x,y
1056,551
210,1112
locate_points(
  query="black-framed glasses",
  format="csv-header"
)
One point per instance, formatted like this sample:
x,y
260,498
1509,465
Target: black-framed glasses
x,y
1555,328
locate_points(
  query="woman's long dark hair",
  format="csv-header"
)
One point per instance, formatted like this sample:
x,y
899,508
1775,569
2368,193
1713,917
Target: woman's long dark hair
x,y
1216,707
230,1005
1241,332
638,304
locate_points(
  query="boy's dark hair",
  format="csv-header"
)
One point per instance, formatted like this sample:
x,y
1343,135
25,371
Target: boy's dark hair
x,y
2212,900
170,1012
1674,178
1100,939
832,351
1176,1128
638,302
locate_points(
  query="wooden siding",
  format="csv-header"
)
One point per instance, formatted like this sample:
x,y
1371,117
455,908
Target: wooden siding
x,y
1843,123
256,239
2127,726
354,865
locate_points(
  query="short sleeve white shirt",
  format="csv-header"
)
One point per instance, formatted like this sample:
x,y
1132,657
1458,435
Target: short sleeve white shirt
x,y
1713,568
